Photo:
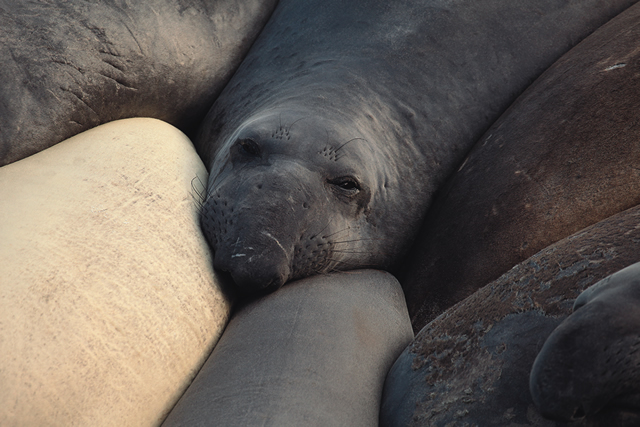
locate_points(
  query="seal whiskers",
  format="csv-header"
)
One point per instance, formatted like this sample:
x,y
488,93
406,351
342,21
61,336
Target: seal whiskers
x,y
388,116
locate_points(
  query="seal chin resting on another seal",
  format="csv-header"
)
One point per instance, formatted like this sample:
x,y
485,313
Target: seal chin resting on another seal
x,y
328,143
292,197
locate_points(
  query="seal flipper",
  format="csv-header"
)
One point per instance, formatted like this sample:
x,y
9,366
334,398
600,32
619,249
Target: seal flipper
x,y
590,365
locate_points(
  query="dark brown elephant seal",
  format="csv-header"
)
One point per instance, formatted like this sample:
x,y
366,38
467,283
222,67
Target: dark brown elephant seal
x,y
589,368
470,365
328,143
68,66
563,157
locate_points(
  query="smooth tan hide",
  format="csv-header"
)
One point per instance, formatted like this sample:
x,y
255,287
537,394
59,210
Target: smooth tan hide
x,y
108,301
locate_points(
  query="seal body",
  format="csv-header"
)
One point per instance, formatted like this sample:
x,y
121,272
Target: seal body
x,y
561,158
471,364
312,354
68,66
588,367
109,303
330,140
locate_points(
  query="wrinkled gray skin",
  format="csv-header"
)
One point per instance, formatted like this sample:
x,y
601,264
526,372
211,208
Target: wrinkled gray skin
x,y
328,143
590,365
68,66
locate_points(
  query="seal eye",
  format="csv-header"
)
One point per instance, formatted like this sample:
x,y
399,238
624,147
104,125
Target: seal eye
x,y
346,184
249,147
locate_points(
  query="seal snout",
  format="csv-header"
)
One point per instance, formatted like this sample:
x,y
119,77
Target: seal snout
x,y
257,268
252,279
257,279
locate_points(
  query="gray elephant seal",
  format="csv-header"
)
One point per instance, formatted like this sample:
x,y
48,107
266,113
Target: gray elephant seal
x,y
589,366
328,143
68,66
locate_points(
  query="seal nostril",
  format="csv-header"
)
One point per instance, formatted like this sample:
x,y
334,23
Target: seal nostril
x,y
269,285
579,413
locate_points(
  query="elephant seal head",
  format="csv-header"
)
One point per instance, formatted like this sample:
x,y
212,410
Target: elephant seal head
x,y
291,195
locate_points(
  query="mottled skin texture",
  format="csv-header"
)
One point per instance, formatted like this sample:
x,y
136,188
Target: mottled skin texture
x,y
471,365
68,66
590,365
563,157
345,117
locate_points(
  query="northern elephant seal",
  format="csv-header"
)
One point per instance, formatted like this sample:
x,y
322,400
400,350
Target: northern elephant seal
x,y
326,146
109,303
588,367
68,66
314,354
471,365
563,157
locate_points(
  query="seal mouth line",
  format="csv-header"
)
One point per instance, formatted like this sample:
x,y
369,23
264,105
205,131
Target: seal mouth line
x,y
266,233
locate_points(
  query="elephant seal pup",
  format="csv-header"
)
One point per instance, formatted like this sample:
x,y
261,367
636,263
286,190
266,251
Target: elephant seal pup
x,y
563,157
326,146
471,365
588,367
68,66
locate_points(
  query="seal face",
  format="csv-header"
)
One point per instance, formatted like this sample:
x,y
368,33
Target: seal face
x,y
303,343
563,157
273,180
328,143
